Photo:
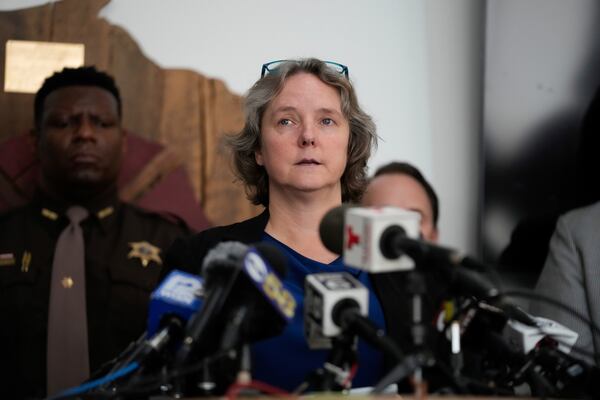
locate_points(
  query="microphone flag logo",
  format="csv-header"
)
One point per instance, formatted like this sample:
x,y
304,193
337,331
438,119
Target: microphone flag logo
x,y
265,280
352,238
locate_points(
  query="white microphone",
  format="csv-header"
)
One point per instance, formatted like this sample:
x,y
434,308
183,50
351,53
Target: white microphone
x,y
337,303
524,338
363,229
380,240
323,292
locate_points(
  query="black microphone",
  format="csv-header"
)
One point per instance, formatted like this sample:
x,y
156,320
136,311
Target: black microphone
x,y
262,305
241,287
225,258
346,314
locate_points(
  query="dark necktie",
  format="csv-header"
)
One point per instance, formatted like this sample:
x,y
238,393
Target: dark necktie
x,y
68,363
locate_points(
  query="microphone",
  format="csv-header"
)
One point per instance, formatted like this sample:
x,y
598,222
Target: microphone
x,y
355,233
366,236
262,306
385,239
524,338
242,283
337,303
178,296
172,304
512,354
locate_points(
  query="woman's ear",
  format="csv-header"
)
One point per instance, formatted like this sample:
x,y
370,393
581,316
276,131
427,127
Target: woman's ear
x,y
258,157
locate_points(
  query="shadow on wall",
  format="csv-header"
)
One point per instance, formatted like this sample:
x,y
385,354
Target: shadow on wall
x,y
555,171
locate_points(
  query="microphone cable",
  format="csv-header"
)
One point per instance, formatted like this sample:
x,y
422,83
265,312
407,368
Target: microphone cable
x,y
156,382
530,295
77,391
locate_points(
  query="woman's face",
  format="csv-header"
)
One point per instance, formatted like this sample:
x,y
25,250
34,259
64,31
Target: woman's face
x,y
304,137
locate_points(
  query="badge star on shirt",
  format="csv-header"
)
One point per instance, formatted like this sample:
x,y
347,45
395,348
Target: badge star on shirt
x,y
145,252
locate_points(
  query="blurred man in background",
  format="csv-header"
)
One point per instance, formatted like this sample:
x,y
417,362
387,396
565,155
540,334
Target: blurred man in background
x,y
399,184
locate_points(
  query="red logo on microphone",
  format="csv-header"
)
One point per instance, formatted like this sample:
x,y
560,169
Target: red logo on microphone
x,y
352,238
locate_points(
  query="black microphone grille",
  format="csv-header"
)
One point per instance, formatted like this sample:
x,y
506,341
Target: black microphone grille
x,y
224,256
274,257
331,229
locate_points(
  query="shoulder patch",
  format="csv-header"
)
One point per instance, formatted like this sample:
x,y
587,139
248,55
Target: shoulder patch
x,y
7,260
165,216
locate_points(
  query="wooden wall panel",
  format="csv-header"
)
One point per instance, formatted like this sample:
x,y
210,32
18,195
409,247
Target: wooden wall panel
x,y
181,109
16,109
221,189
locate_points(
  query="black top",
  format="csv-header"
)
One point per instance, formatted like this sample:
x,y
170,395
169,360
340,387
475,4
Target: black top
x,y
124,260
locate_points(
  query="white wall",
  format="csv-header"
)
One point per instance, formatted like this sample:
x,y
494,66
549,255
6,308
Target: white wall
x,y
455,40
415,66
383,42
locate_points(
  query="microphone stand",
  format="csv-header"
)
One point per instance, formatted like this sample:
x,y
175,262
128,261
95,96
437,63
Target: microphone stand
x,y
336,370
416,288
413,363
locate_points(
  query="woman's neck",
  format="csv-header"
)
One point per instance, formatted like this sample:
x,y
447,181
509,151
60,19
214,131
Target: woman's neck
x,y
294,220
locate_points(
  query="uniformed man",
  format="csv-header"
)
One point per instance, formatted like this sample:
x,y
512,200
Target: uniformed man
x,y
76,264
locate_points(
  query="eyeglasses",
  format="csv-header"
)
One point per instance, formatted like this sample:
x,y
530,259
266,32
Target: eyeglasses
x,y
273,65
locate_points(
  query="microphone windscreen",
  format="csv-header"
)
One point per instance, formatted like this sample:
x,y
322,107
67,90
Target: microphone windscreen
x,y
274,257
331,229
178,295
224,257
